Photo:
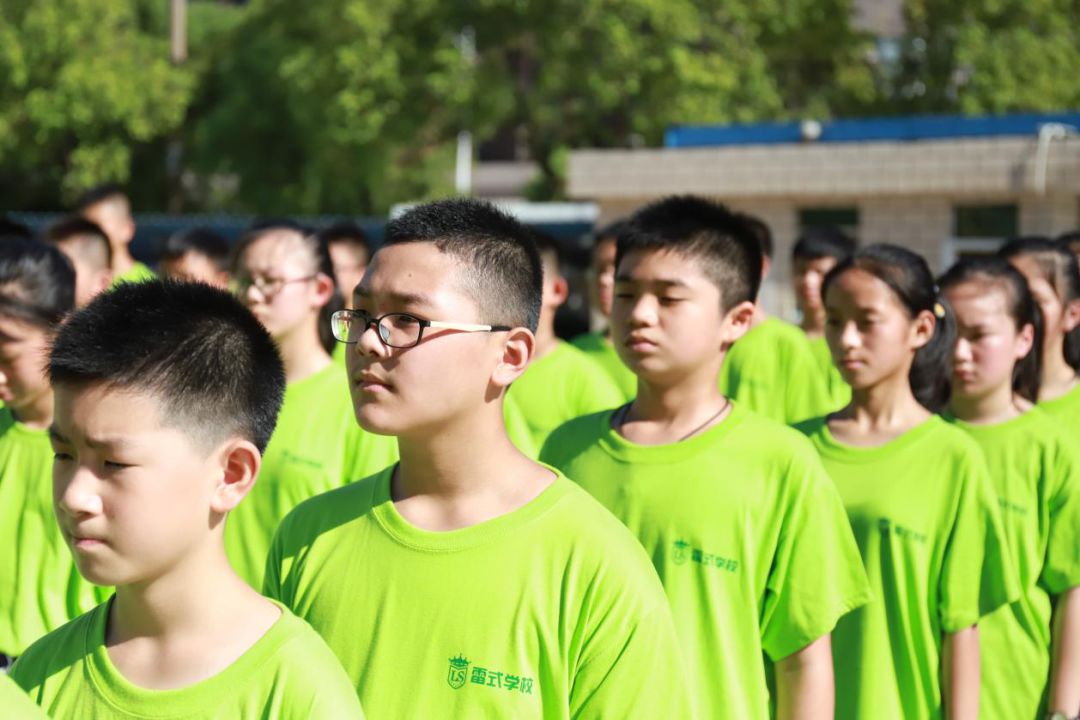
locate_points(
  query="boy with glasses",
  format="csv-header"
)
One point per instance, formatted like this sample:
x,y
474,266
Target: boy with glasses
x,y
502,588
744,527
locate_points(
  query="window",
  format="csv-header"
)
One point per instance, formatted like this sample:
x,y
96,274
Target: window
x,y
985,221
845,218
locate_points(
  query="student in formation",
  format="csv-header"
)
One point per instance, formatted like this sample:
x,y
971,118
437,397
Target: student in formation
x,y
350,252
816,252
1029,663
1052,274
40,589
745,529
166,394
469,581
107,206
196,255
917,495
562,382
772,370
87,248
286,279
598,345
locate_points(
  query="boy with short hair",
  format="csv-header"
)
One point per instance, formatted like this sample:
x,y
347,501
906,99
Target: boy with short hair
x,y
562,382
166,394
502,587
743,525
87,247
816,252
597,345
771,369
197,254
108,207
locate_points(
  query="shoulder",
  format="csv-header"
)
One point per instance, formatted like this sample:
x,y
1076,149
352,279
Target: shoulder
x,y
58,651
772,436
327,511
575,435
587,342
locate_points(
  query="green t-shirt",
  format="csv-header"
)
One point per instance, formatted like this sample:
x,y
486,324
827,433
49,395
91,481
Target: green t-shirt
x,y
40,589
316,446
137,273
931,538
562,385
747,534
340,351
549,611
839,391
288,673
772,371
1035,470
16,705
1066,409
600,349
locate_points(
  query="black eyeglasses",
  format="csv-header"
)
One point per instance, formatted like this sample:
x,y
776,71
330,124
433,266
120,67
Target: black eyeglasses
x,y
396,330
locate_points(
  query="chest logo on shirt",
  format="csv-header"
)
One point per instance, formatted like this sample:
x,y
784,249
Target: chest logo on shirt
x,y
888,527
459,674
682,552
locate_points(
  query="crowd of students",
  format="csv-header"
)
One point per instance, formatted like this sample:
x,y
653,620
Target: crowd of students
x,y
294,479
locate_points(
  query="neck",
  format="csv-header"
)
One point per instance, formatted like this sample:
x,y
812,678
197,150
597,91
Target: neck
x,y
122,260
989,408
443,484
687,398
302,353
813,322
546,340
760,315
888,405
188,598
1058,377
36,413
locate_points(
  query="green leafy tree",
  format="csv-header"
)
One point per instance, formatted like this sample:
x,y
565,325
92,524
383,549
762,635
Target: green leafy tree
x,y
82,86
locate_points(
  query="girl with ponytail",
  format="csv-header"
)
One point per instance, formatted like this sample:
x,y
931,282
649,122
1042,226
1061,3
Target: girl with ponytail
x,y
1035,473
917,494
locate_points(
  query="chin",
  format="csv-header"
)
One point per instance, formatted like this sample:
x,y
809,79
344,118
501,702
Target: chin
x,y
377,421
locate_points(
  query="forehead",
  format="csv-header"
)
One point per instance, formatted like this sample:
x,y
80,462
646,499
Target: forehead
x,y
100,410
647,265
824,263
977,299
13,329
418,270
275,250
862,289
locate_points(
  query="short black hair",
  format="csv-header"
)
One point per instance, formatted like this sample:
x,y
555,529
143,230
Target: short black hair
x,y
703,230
204,356
14,228
826,241
761,232
1070,240
91,239
37,283
549,245
200,240
503,272
346,233
99,193
611,231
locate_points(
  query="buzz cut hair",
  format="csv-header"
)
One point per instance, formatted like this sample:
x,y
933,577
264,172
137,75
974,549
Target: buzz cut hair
x,y
501,269
86,238
208,361
719,241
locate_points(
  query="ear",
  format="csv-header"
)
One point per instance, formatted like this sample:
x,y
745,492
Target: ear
x,y
737,322
766,266
1025,340
238,462
558,292
128,230
322,291
221,279
922,329
517,351
1070,315
102,281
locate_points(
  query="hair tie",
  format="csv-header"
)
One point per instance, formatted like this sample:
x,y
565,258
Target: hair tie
x,y
939,310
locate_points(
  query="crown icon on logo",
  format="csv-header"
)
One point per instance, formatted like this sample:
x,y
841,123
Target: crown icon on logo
x,y
459,662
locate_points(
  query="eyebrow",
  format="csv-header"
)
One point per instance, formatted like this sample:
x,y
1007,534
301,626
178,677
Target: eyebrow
x,y
665,282
113,442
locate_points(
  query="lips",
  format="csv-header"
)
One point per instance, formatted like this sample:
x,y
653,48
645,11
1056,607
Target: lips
x,y
639,343
370,382
84,541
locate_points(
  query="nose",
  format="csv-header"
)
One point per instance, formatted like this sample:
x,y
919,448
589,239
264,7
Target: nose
x,y
369,342
962,350
75,493
849,335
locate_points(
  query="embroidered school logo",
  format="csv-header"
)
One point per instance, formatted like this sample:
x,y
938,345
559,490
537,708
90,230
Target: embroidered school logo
x,y
682,552
459,672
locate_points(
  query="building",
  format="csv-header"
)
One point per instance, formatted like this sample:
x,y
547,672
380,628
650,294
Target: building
x,y
944,186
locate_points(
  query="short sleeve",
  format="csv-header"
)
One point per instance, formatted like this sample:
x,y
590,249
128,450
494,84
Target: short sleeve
x,y
807,394
978,574
595,390
817,574
1061,570
634,672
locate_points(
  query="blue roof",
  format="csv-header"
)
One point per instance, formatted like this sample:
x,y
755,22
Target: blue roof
x,y
868,129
